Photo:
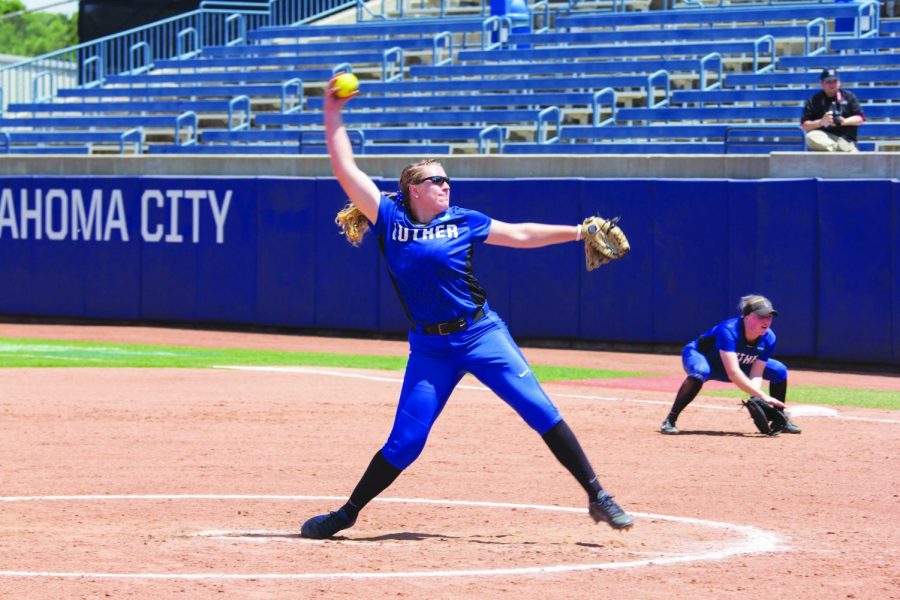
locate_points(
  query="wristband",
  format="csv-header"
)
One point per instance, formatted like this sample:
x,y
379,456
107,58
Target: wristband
x,y
578,233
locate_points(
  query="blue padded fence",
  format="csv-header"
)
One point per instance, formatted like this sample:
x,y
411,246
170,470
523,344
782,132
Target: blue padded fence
x,y
265,251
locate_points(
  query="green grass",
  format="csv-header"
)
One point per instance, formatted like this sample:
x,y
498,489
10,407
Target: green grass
x,y
59,353
21,352
835,396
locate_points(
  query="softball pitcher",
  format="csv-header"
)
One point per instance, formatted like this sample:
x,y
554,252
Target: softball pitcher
x,y
428,247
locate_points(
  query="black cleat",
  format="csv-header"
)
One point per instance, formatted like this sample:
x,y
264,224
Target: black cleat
x,y
791,427
605,509
323,527
668,427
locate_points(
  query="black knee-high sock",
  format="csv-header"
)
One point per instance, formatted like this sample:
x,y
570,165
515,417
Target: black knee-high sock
x,y
778,390
378,476
567,450
689,389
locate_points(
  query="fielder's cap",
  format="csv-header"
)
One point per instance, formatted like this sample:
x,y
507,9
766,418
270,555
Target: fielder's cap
x,y
760,306
828,74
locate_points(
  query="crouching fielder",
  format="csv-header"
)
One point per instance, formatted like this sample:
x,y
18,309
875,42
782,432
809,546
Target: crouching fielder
x,y
738,350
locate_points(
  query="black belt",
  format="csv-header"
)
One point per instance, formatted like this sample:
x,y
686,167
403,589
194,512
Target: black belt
x,y
448,327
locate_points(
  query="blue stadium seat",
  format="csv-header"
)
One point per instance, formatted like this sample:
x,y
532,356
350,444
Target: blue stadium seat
x,y
811,78
733,113
396,27
870,43
838,60
798,95
181,91
46,150
48,142
462,100
658,35
638,71
486,29
395,134
328,47
263,75
532,84
408,117
295,149
594,52
864,13
618,148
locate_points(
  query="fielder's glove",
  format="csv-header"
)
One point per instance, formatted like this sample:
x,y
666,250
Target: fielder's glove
x,y
768,419
604,242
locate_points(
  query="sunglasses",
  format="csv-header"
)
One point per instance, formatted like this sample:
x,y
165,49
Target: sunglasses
x,y
435,179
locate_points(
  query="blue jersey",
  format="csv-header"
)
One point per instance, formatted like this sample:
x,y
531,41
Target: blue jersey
x,y
729,336
431,264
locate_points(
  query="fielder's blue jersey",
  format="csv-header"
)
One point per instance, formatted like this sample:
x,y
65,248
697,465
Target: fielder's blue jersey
x,y
431,264
729,336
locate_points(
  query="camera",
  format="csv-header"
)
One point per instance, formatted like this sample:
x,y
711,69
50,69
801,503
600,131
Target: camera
x,y
836,113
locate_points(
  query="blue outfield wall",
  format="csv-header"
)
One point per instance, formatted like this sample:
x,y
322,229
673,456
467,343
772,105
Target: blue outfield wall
x,y
265,251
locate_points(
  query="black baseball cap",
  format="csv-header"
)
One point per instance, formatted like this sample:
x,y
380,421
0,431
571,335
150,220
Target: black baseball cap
x,y
828,74
761,306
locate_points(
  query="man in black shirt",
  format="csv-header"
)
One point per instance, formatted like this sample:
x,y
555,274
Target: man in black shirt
x,y
831,117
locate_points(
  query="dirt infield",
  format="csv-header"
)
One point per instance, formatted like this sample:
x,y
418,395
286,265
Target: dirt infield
x,y
166,482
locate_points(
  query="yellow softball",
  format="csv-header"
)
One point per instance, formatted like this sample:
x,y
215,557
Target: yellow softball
x,y
345,84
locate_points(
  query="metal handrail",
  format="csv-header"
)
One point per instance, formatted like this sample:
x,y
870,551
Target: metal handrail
x,y
704,81
447,38
483,135
392,70
822,24
146,64
188,120
542,126
298,83
232,105
502,26
130,135
596,107
756,53
36,86
542,7
650,94
241,36
180,51
99,71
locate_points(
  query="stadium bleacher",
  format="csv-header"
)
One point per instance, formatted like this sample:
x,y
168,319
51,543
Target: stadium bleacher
x,y
711,78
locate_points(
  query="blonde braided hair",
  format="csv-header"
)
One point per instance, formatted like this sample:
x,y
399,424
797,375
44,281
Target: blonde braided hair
x,y
354,224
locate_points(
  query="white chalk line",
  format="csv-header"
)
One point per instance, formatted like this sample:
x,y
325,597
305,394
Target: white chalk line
x,y
751,541
794,411
54,350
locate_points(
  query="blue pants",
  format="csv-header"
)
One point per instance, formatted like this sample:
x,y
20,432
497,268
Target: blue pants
x,y
698,366
438,362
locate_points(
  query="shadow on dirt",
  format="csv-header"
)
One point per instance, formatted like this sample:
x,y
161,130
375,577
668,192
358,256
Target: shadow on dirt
x,y
719,433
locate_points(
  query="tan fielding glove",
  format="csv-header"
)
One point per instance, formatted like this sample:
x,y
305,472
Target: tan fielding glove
x,y
604,241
